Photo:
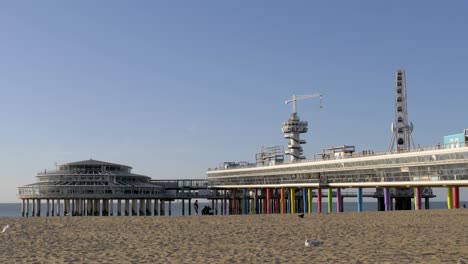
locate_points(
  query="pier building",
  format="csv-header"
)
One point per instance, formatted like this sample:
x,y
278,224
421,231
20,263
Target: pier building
x,y
97,188
88,187
297,182
400,175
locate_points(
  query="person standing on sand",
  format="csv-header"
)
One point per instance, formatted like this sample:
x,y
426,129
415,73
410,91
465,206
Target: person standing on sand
x,y
195,206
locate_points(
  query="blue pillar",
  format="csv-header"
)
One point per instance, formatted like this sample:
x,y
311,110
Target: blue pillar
x,y
387,198
359,199
339,205
257,203
304,197
246,205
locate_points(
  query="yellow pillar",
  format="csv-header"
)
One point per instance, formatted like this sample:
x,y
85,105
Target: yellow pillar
x,y
309,200
449,198
293,199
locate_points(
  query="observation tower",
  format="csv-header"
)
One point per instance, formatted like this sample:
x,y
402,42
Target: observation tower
x,y
294,127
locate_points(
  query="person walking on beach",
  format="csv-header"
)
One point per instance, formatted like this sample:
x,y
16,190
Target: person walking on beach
x,y
195,206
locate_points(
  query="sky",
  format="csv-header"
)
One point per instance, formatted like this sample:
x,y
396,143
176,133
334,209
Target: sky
x,y
173,88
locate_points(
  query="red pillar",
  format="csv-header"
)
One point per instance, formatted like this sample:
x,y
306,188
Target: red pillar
x,y
319,200
456,197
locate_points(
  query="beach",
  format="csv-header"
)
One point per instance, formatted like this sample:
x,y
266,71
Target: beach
x,y
426,236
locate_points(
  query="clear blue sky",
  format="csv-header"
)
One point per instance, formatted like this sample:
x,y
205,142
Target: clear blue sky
x,y
175,87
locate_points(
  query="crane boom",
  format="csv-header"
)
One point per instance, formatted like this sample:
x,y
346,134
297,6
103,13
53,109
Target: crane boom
x,y
302,97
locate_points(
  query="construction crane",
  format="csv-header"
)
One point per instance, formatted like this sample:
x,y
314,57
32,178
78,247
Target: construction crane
x,y
302,97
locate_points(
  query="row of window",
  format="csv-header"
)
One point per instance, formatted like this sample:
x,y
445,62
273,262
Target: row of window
x,y
344,165
443,172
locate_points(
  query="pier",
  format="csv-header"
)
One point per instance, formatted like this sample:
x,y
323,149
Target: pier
x,y
402,176
97,188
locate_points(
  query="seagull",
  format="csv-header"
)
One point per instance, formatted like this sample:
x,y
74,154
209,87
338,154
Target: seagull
x,y
312,243
5,228
301,216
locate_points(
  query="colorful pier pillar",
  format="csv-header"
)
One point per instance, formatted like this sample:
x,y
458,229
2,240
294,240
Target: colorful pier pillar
x,y
387,198
417,198
292,199
233,201
329,200
275,203
319,200
359,199
305,199
309,200
339,204
449,198
282,200
456,197
256,202
268,199
245,204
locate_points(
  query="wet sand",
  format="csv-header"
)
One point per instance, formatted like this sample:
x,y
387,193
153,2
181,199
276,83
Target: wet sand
x,y
432,236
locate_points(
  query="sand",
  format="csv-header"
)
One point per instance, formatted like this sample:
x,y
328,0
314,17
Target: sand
x,y
428,236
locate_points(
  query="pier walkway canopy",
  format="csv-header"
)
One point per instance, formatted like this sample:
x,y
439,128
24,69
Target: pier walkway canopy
x,y
434,167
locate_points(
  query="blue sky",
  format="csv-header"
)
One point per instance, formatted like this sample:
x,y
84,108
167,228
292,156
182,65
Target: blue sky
x,y
173,88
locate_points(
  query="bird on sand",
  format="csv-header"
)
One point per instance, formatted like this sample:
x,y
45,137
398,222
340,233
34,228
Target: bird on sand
x,y
301,215
313,243
5,228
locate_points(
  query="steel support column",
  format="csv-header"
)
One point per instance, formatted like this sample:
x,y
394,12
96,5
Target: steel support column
x,y
282,200
449,198
155,207
339,205
268,199
305,200
319,200
456,197
359,199
387,198
292,198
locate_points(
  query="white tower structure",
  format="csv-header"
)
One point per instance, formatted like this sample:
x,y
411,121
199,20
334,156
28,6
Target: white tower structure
x,y
401,128
294,127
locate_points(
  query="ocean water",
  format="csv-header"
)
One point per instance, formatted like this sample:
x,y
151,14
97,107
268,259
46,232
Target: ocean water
x,y
14,209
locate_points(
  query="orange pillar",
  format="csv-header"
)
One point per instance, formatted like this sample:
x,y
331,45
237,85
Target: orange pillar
x,y
282,200
268,199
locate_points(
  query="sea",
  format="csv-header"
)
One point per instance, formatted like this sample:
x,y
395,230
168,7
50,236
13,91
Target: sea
x,y
14,209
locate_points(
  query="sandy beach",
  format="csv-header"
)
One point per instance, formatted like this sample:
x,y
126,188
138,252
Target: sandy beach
x,y
431,236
